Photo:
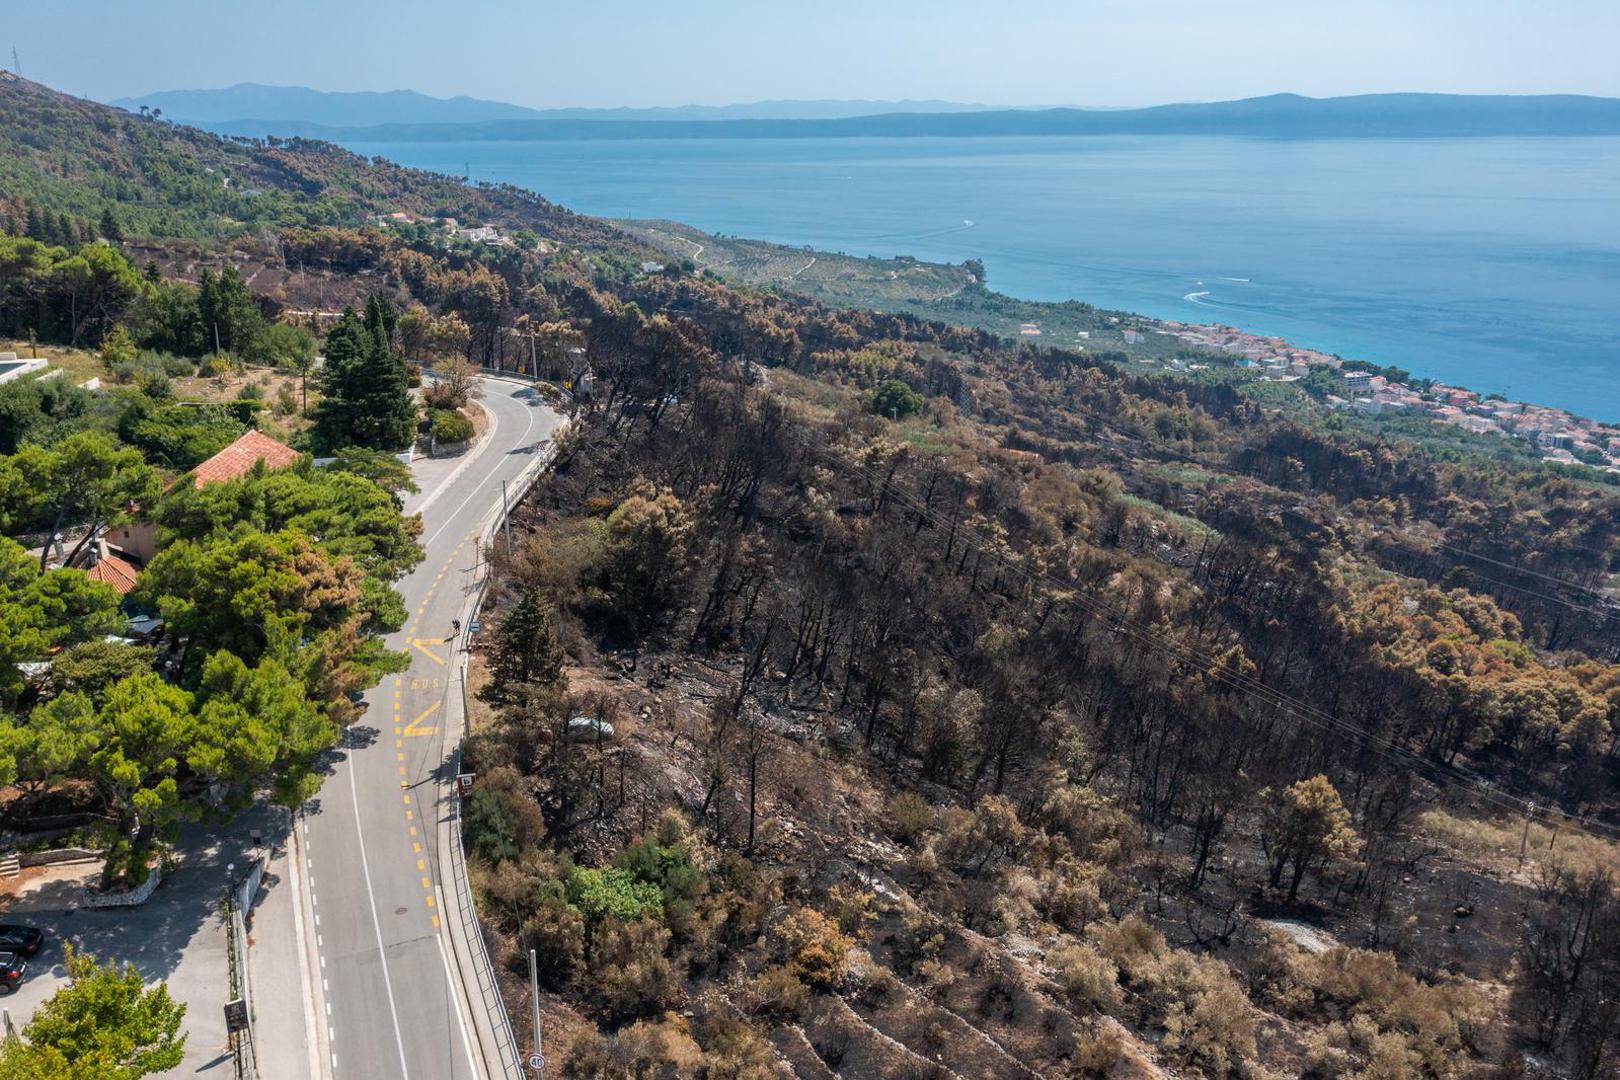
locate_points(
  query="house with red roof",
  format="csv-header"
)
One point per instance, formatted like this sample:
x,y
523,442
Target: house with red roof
x,y
238,459
110,568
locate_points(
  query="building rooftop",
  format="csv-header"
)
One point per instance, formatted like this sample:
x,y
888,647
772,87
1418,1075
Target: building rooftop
x,y
112,570
238,459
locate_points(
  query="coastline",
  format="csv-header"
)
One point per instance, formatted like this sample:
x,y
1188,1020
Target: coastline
x,y
956,294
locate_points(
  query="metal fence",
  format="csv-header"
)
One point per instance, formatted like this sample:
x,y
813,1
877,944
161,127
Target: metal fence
x,y
489,991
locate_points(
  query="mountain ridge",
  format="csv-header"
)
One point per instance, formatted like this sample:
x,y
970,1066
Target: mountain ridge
x,y
1275,116
258,109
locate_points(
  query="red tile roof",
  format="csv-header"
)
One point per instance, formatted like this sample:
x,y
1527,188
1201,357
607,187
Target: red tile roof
x,y
114,571
238,459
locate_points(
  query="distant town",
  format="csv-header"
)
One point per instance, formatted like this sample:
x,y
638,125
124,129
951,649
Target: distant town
x,y
1561,436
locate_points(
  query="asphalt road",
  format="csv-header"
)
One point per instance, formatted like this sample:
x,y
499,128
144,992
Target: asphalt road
x,y
386,1000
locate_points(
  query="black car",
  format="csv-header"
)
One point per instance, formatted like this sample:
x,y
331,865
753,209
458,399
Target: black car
x,y
21,939
12,970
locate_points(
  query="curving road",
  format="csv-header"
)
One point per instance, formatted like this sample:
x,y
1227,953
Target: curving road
x,y
385,997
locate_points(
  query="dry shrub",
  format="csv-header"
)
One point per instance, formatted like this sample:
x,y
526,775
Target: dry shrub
x,y
1206,1015
921,937
813,948
911,816
1071,894
971,841
1098,831
1216,1034
776,992
733,1050
868,981
1087,976
629,971
1433,1022
1097,1050
663,1048
852,908
937,976
1012,906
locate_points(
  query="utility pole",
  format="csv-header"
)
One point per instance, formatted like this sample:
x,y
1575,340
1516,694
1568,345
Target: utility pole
x,y
16,64
1524,841
534,998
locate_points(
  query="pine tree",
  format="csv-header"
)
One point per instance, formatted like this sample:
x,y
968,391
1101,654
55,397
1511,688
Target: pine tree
x,y
110,230
525,655
36,229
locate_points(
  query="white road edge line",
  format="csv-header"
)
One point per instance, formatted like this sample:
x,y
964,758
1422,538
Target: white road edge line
x,y
376,924
474,493
300,935
455,474
461,1017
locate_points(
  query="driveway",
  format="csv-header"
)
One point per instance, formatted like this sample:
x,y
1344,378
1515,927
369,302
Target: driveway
x,y
179,935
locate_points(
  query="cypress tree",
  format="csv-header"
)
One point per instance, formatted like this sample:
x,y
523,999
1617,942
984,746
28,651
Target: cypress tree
x,y
366,391
110,230
525,655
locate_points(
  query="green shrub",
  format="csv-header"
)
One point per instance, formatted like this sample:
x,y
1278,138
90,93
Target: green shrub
x,y
449,426
896,400
613,891
668,865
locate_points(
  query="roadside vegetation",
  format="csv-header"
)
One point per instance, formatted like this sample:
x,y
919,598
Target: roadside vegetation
x,y
861,694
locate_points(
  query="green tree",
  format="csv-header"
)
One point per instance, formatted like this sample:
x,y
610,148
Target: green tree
x,y
104,1025
118,347
524,655
295,348
230,315
96,288
366,390
109,228
42,610
256,724
896,400
85,480
352,515
145,728
1306,824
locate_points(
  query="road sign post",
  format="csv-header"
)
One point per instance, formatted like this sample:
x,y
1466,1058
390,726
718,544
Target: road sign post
x,y
537,1060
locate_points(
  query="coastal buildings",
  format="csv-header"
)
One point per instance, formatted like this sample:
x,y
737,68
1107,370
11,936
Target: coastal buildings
x,y
1562,436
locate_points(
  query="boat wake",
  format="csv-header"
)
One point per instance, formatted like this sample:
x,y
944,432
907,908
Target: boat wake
x,y
1197,298
1239,280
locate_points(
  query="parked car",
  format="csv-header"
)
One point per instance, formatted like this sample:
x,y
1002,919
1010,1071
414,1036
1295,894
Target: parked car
x,y
21,939
12,969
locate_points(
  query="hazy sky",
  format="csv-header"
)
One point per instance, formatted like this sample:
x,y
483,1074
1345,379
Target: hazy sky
x,y
646,52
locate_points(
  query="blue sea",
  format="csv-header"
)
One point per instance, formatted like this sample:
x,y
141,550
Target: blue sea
x,y
1493,263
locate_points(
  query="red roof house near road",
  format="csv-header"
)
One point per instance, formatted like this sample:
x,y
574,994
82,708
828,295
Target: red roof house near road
x,y
238,459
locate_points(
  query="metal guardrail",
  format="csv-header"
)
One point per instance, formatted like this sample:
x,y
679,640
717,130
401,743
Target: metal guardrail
x,y
488,990
466,910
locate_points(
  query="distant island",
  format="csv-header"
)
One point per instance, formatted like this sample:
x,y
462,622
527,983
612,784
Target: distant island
x,y
1274,116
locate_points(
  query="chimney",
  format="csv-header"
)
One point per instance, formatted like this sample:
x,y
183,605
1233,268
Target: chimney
x,y
61,551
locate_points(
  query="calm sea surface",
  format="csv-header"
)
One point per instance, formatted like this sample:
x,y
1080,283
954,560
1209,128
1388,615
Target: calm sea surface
x,y
1494,263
